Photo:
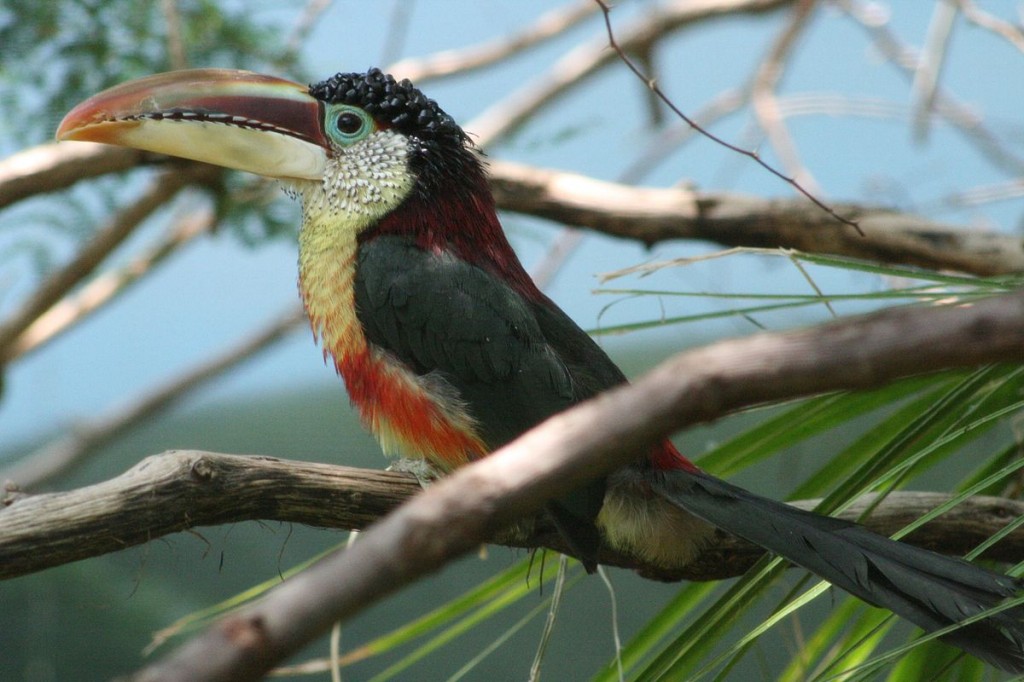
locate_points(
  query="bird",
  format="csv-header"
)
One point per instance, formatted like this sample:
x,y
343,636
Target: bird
x,y
448,349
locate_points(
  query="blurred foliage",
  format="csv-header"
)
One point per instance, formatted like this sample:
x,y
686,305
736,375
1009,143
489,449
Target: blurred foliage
x,y
98,43
53,55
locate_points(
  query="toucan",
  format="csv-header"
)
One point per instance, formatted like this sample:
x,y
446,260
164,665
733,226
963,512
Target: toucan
x,y
448,350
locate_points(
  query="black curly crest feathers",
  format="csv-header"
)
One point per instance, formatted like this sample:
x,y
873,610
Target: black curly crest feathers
x,y
397,103
442,157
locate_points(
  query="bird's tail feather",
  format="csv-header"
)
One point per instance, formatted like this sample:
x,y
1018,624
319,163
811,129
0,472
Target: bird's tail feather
x,y
931,590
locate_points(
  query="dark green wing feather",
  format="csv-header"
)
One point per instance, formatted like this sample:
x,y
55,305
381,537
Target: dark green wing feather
x,y
513,362
443,317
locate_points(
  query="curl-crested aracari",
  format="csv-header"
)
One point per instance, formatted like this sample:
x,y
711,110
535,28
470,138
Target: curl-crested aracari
x,y
447,348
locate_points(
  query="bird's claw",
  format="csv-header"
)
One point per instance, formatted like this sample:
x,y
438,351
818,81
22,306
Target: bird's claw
x,y
420,468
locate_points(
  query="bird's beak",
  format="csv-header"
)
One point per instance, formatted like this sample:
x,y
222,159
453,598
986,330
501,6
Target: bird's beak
x,y
236,119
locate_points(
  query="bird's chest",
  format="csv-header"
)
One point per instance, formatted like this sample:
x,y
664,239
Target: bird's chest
x,y
402,409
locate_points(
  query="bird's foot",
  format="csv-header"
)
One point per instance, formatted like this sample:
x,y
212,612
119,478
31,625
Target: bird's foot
x,y
420,468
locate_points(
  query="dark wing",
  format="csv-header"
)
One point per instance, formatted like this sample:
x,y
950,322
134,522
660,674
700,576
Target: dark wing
x,y
443,317
513,362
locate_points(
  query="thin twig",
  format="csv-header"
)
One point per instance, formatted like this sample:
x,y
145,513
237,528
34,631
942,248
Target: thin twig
x,y
398,30
983,194
564,244
304,25
106,239
753,155
583,61
38,468
106,287
669,140
765,100
175,41
929,68
961,117
1013,34
460,61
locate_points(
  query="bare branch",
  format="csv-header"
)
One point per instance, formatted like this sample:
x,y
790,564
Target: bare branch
x,y
397,33
929,68
504,117
961,116
669,139
765,101
52,167
104,288
178,490
1011,33
983,194
555,257
175,41
450,62
304,25
106,239
38,468
183,489
651,215
752,155
457,513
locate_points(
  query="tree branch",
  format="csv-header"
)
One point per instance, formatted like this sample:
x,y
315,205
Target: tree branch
x,y
105,287
49,167
765,100
457,513
446,63
476,502
650,215
178,490
962,117
990,22
57,457
587,58
96,249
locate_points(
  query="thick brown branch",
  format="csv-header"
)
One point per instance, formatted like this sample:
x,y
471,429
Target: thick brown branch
x,y
185,489
457,513
177,490
651,215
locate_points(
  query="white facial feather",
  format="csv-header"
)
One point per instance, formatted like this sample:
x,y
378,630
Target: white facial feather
x,y
361,182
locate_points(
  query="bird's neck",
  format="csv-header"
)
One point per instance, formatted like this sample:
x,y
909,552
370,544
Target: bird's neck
x,y
327,253
398,406
463,221
459,218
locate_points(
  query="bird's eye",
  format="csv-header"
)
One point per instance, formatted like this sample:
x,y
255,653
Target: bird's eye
x,y
347,125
